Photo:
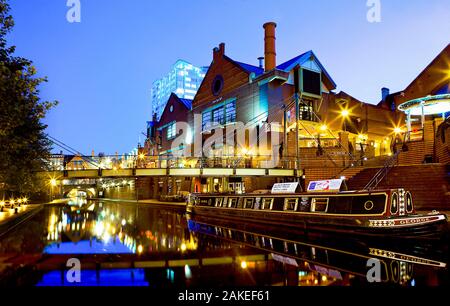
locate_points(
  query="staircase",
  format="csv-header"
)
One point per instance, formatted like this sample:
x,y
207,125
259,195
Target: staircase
x,y
351,172
428,183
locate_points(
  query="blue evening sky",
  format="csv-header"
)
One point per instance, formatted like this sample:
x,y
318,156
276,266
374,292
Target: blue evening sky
x,y
101,69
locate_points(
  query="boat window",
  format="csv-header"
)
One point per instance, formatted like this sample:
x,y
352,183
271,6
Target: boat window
x,y
218,202
248,203
290,204
409,203
204,201
394,203
368,205
224,203
232,202
319,205
267,203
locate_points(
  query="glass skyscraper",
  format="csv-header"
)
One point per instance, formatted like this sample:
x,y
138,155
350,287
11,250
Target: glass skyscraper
x,y
184,80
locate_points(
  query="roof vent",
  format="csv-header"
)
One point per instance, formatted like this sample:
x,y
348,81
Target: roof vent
x,y
261,62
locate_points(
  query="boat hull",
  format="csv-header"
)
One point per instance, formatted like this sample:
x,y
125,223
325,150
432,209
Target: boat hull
x,y
408,226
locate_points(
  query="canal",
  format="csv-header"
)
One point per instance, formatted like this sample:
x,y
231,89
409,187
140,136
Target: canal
x,y
126,244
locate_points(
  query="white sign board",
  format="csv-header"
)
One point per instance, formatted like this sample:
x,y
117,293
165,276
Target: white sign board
x,y
285,260
326,186
285,187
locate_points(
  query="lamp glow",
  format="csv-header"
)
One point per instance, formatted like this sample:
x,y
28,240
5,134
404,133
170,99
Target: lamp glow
x,y
345,113
398,130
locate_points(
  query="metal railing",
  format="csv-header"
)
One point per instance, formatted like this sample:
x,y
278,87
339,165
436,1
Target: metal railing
x,y
383,172
414,135
311,159
171,162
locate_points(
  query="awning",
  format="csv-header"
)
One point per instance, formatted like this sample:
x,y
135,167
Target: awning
x,y
430,105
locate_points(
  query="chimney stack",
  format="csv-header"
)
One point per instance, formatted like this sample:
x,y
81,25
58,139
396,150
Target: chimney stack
x,y
219,52
384,93
270,54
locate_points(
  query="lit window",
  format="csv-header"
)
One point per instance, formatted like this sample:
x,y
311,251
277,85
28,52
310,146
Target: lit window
x,y
206,121
218,116
230,111
172,131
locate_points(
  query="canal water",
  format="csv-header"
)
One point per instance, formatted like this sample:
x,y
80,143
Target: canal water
x,y
120,244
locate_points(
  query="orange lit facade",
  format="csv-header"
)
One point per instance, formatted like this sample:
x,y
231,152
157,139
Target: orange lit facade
x,y
304,123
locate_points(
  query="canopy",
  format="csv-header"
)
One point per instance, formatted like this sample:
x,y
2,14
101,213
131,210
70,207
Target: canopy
x,y
431,105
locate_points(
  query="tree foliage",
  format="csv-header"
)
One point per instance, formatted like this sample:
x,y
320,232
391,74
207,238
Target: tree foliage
x,y
23,142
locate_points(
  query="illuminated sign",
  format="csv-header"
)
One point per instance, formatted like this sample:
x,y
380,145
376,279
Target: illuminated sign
x,y
285,187
326,271
285,260
328,186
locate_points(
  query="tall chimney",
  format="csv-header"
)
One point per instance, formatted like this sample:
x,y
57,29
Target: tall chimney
x,y
270,54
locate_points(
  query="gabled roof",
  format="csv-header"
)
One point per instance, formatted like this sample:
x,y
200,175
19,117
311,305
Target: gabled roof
x,y
250,68
186,102
439,61
246,67
301,59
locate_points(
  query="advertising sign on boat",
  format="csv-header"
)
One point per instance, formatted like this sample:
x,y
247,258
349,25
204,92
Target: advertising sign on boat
x,y
325,186
285,188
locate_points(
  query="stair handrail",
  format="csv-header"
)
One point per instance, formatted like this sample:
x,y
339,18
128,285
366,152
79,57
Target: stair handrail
x,y
351,165
382,173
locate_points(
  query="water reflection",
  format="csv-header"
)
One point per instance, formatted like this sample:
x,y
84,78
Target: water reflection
x,y
113,228
321,259
129,244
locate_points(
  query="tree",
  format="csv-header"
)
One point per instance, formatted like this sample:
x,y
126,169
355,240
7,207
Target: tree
x,y
23,143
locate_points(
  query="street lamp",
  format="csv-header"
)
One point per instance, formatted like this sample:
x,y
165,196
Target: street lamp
x,y
398,130
53,184
345,113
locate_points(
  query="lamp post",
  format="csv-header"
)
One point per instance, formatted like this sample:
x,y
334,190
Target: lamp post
x,y
345,113
53,184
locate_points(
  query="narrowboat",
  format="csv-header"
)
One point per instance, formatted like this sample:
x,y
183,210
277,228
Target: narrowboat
x,y
381,212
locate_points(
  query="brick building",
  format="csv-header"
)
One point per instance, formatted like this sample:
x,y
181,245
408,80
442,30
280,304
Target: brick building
x,y
247,115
